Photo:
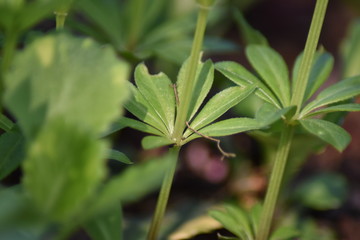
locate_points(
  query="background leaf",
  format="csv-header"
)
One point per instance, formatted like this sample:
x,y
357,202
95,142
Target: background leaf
x,y
65,77
118,156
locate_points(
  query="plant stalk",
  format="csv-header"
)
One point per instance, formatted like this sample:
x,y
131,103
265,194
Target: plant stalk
x,y
275,183
184,104
60,19
164,194
301,81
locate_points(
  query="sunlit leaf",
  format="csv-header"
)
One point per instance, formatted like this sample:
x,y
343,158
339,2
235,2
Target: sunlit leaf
x,y
228,222
141,108
242,77
273,70
158,91
203,82
218,105
63,168
150,142
118,156
320,71
328,132
227,127
75,79
337,92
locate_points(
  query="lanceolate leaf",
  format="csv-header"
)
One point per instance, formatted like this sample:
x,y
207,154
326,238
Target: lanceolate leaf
x,y
273,70
118,156
227,127
320,71
242,77
143,127
349,107
268,114
340,91
132,184
5,123
76,79
218,105
249,34
328,132
203,82
149,142
12,149
241,218
141,108
229,223
159,92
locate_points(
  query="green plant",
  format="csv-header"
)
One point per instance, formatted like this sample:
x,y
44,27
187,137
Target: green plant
x,y
309,73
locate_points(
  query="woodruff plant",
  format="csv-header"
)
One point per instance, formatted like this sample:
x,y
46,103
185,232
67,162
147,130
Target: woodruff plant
x,y
310,71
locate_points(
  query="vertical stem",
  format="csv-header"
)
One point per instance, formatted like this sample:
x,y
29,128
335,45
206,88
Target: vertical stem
x,y
60,19
275,183
300,83
180,122
164,194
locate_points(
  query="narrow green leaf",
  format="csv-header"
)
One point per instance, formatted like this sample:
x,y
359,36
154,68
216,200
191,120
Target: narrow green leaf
x,y
221,237
59,82
5,123
273,70
159,92
268,114
143,127
203,82
255,215
242,220
320,71
132,184
228,222
150,142
242,77
63,168
350,50
249,34
118,156
285,233
348,107
328,132
337,92
227,127
218,105
141,108
12,147
106,226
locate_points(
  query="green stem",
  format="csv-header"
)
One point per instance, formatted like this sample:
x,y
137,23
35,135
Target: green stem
x,y
311,44
184,104
60,19
164,194
275,183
